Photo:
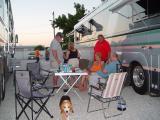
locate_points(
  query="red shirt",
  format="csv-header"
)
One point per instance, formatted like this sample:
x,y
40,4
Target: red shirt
x,y
104,48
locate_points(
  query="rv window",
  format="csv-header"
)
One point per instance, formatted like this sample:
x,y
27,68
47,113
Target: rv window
x,y
98,26
84,30
78,36
151,7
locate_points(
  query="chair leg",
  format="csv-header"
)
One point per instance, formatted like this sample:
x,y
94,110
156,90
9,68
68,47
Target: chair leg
x,y
89,103
105,116
45,108
28,105
90,92
32,108
16,105
42,107
23,109
109,116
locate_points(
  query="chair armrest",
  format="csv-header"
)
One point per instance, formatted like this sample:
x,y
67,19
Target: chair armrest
x,y
95,92
101,85
45,70
41,86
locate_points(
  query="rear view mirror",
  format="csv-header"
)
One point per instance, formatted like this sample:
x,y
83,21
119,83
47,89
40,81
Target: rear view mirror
x,y
16,38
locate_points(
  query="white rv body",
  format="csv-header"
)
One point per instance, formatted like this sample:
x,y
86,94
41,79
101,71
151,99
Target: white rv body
x,y
132,27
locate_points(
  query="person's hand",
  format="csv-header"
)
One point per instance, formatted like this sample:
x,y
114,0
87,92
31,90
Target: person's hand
x,y
104,71
89,71
59,62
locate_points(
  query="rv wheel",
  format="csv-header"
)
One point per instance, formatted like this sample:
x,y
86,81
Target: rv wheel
x,y
139,79
2,87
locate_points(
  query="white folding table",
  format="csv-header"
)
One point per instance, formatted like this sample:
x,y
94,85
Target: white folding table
x,y
65,77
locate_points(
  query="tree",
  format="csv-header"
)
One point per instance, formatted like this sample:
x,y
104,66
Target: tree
x,y
66,23
39,47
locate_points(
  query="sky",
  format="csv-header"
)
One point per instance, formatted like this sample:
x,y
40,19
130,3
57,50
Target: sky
x,y
32,18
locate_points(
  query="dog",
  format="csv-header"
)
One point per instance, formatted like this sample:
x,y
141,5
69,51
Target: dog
x,y
65,107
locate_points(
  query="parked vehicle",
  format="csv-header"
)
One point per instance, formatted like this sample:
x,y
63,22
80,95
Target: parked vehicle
x,y
132,27
8,41
31,56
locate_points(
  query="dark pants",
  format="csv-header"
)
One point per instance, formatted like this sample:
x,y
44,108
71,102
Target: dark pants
x,y
37,59
47,58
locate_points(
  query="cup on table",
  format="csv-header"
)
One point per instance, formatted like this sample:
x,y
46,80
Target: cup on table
x,y
70,67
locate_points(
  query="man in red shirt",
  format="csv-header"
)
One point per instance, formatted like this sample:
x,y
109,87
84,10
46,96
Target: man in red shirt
x,y
103,47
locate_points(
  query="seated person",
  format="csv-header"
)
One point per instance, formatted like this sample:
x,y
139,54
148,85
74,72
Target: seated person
x,y
96,66
64,57
111,67
72,55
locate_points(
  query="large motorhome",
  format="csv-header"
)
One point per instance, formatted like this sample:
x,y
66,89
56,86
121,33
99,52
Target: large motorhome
x,y
132,28
7,43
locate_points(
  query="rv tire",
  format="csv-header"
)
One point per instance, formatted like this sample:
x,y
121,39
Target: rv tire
x,y
2,87
139,79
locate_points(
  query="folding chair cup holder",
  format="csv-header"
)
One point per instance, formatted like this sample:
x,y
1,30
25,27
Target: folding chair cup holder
x,y
111,92
27,98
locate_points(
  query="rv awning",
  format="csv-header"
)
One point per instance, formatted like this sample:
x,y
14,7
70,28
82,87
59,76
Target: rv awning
x,y
121,4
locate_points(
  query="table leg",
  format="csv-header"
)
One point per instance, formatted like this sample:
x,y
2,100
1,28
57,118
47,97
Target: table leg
x,y
64,82
73,85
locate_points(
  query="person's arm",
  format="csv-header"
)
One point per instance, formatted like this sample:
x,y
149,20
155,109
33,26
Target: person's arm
x,y
106,69
103,73
78,54
102,64
67,54
54,52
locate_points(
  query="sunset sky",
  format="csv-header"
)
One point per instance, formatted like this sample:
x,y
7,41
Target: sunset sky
x,y
31,18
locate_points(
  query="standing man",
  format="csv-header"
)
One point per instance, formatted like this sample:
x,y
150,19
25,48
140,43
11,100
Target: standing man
x,y
103,47
37,54
56,53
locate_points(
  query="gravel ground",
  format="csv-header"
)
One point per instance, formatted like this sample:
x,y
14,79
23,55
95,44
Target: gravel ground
x,y
139,107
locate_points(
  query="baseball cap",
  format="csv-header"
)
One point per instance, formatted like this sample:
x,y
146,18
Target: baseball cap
x,y
60,34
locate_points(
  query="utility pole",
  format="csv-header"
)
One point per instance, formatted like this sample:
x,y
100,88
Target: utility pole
x,y
53,23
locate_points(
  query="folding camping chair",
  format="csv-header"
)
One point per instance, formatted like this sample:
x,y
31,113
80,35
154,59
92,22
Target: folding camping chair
x,y
83,64
111,92
26,96
36,73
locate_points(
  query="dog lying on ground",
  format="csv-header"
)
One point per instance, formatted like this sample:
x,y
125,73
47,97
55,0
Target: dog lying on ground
x,y
65,107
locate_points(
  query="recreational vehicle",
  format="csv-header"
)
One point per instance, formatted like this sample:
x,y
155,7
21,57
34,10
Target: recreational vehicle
x,y
7,43
132,27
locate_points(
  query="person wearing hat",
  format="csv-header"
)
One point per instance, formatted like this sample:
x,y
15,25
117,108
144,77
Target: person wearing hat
x,y
56,54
